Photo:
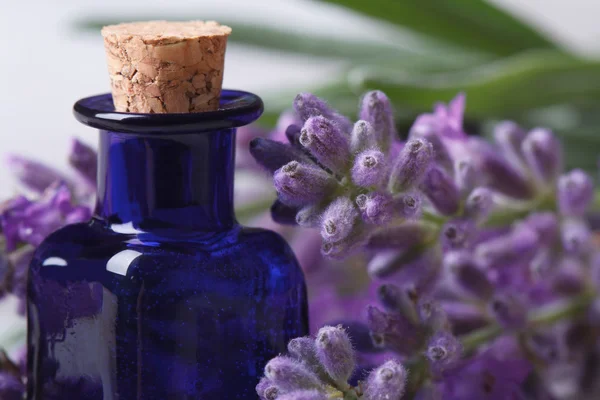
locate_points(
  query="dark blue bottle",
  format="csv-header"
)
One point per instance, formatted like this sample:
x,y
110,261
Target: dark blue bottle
x,y
162,295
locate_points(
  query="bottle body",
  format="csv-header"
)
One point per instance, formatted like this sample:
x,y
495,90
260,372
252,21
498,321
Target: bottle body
x,y
118,316
162,295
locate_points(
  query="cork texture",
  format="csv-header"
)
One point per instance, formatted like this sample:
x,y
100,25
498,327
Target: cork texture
x,y
166,67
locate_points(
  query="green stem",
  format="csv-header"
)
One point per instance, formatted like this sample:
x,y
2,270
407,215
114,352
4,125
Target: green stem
x,y
542,317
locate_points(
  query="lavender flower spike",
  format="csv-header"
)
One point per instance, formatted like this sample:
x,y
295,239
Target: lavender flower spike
x,y
411,165
299,184
338,220
336,353
288,374
386,382
304,395
308,105
32,174
327,143
575,193
441,190
543,154
84,159
369,168
362,137
377,110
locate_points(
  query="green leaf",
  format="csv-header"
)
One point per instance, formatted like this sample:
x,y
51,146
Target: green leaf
x,y
321,45
474,24
506,88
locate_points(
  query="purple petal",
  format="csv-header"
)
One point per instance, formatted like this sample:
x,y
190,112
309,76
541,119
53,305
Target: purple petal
x,y
411,165
299,184
543,154
386,382
338,220
376,208
288,374
575,193
362,137
308,105
84,159
377,110
335,352
370,168
441,191
33,175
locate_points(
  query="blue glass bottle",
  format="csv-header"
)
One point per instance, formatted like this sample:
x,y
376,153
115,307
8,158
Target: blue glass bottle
x,y
162,295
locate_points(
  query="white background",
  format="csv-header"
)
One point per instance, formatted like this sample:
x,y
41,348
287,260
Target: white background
x,y
45,65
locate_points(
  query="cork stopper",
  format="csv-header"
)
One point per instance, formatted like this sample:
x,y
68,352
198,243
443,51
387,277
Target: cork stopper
x,y
166,67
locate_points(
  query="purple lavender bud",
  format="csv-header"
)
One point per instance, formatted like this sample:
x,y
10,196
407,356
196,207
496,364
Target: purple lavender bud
x,y
377,110
338,220
411,165
304,395
479,204
288,374
465,175
408,205
283,214
545,224
402,237
326,142
543,154
393,331
308,105
386,382
457,234
300,184
467,276
501,174
336,354
440,151
509,136
509,311
443,351
575,193
441,191
345,247
363,137
576,236
370,168
33,175
266,390
84,159
521,245
376,208
305,351
309,216
570,279
292,133
386,263
432,315
396,299
11,388
273,155
360,336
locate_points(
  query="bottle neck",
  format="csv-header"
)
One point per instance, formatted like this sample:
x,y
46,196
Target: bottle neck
x,y
171,181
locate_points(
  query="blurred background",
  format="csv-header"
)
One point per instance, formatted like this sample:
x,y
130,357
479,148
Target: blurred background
x,y
535,61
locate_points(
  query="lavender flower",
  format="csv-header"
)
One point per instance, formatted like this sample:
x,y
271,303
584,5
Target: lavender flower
x,y
304,395
33,175
335,352
377,110
299,184
338,220
362,137
288,374
386,382
369,168
376,208
443,351
575,193
411,166
273,155
543,154
446,121
308,105
441,191
326,142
